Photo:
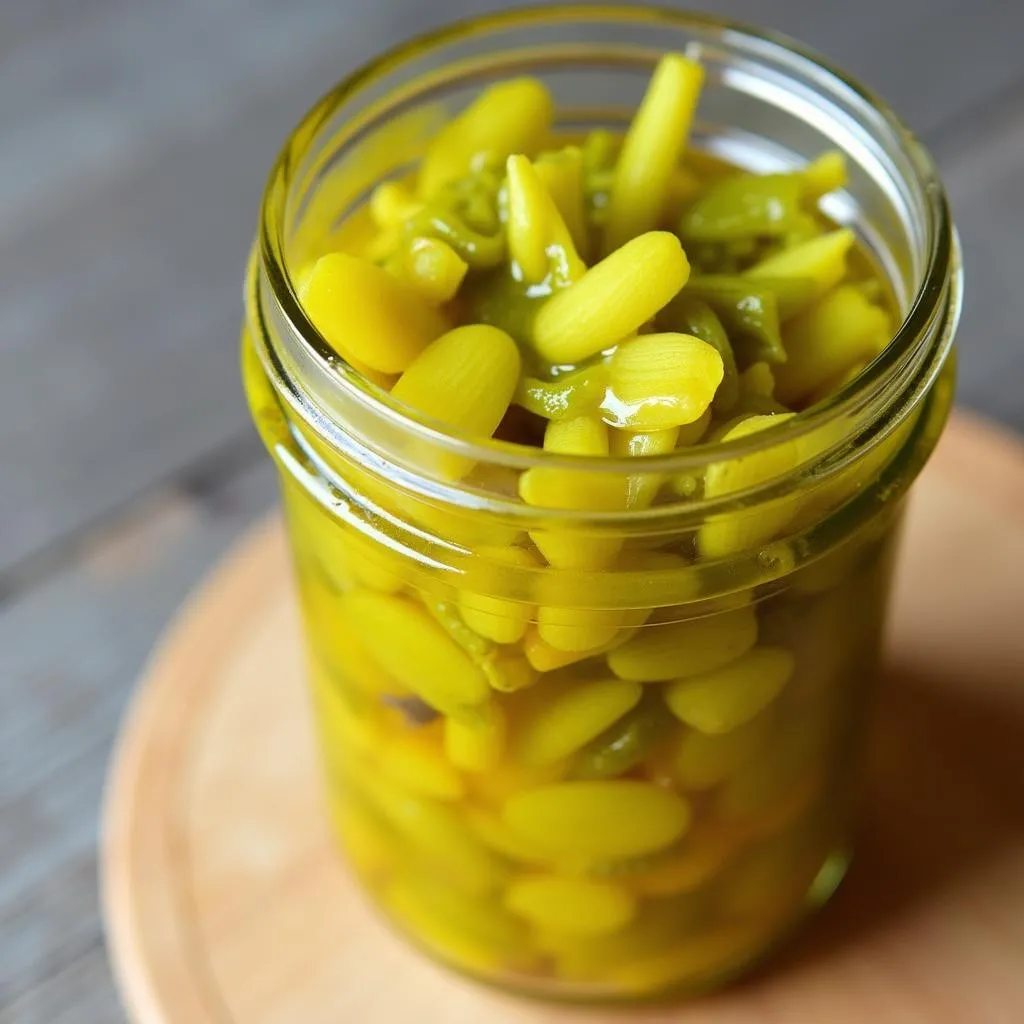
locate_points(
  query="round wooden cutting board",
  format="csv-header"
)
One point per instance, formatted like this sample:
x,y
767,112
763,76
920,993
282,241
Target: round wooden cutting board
x,y
225,902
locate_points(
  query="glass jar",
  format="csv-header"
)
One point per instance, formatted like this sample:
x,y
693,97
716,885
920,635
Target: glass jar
x,y
579,753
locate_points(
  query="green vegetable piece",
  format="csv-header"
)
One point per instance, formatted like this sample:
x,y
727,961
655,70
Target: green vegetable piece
x,y
477,249
745,206
446,614
748,311
626,743
475,198
688,314
574,394
498,299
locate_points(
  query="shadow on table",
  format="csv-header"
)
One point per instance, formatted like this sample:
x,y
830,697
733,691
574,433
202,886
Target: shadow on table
x,y
944,807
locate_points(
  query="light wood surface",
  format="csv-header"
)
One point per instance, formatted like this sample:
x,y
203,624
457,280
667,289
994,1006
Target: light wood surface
x,y
136,138
226,902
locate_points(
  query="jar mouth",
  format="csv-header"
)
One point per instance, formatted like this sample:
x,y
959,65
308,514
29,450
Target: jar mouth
x,y
893,382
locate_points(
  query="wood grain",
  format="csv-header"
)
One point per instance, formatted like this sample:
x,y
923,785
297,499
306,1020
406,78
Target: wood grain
x,y
70,651
226,902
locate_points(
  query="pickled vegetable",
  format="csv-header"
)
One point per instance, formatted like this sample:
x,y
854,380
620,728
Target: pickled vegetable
x,y
571,905
589,821
625,744
686,648
651,150
662,380
612,299
406,642
569,718
563,749
364,312
718,701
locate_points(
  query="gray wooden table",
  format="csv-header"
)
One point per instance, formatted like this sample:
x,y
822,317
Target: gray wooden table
x,y
134,139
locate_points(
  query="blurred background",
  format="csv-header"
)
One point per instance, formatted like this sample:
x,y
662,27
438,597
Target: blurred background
x,y
135,136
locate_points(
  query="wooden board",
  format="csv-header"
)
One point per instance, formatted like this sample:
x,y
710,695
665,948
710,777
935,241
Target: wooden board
x,y
225,902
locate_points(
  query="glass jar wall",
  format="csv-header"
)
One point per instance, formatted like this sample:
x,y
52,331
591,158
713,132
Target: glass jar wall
x,y
572,749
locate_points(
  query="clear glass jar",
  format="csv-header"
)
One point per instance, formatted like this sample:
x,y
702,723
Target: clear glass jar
x,y
493,680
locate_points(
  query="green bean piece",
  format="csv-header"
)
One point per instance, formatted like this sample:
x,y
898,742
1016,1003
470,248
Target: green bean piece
x,y
498,299
484,653
715,258
690,315
626,743
475,198
477,249
574,394
447,615
745,206
750,315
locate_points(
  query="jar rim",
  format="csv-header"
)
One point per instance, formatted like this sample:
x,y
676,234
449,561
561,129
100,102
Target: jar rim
x,y
938,291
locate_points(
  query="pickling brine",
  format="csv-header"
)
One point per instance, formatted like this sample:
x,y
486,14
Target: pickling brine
x,y
592,445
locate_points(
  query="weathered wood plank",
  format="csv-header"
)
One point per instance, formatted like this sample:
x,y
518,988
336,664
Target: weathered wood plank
x,y
69,654
79,993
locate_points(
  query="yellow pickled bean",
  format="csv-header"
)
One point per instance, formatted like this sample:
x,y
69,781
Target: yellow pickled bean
x,y
465,379
563,721
612,299
660,381
680,649
546,658
819,264
652,148
824,174
404,640
368,842
437,833
728,533
592,821
704,853
570,905
489,827
363,311
642,488
579,489
840,330
392,203
496,618
704,958
468,930
476,745
578,629
513,672
539,241
719,701
510,117
562,175
432,267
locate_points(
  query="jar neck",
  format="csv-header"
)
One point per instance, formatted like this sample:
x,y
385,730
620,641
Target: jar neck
x,y
770,104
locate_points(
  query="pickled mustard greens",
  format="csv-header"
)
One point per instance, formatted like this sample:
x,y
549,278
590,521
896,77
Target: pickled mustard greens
x,y
556,788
